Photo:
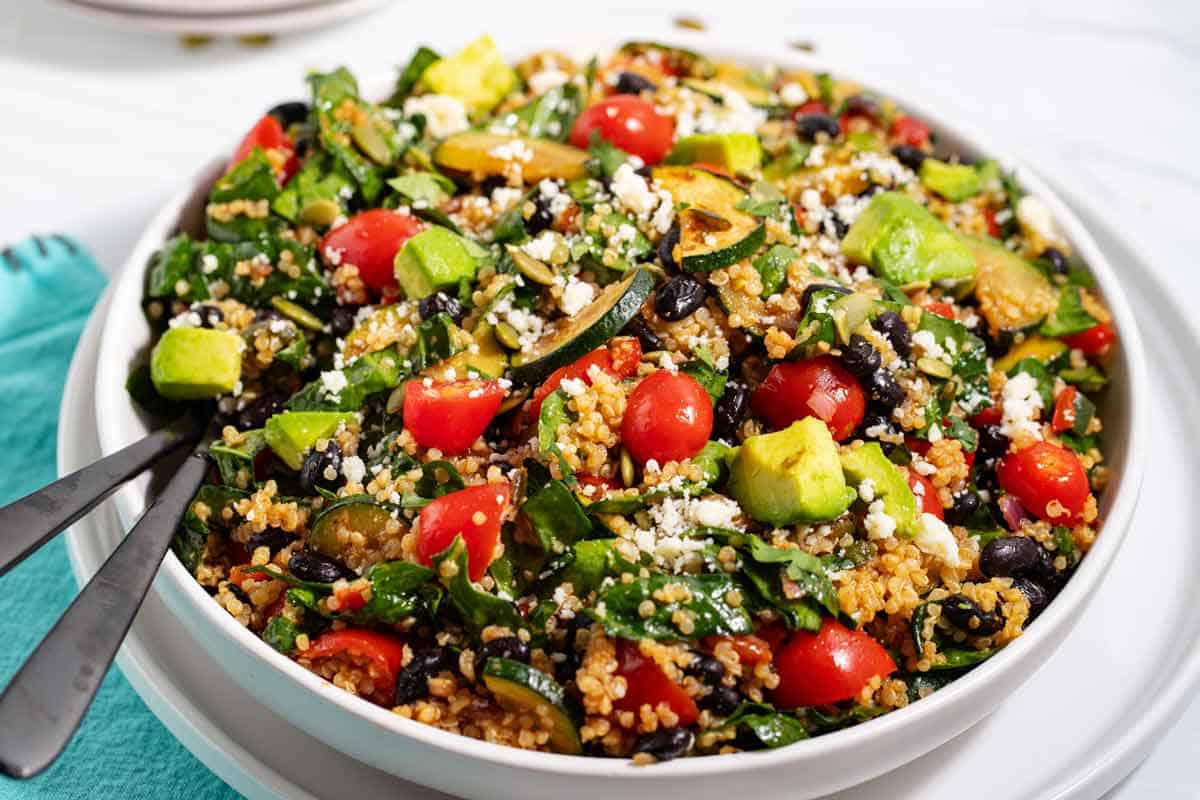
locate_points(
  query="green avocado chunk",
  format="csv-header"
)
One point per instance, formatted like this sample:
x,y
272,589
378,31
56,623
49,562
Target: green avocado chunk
x,y
789,476
902,241
195,363
867,462
291,433
734,152
477,75
955,182
432,260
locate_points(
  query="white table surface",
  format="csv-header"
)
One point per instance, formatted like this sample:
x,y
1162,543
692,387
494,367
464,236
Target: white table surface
x,y
99,124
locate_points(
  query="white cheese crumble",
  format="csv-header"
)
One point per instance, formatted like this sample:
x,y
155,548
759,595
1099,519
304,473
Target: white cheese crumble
x,y
576,296
632,190
878,523
541,248
444,115
866,490
547,79
793,94
334,381
353,469
573,386
935,538
1033,215
1021,405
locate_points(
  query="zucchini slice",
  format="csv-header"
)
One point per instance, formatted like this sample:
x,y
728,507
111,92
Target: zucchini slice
x,y
713,231
1012,292
359,513
600,321
481,153
520,687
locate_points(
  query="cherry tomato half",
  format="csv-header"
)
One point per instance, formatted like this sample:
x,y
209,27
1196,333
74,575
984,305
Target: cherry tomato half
x,y
816,387
927,498
941,309
1095,341
910,131
630,123
810,107
383,653
829,666
370,241
1064,410
450,416
751,649
668,417
620,359
647,684
474,513
993,227
268,134
1040,475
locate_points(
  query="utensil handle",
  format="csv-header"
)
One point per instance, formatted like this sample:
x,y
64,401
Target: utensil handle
x,y
46,700
30,522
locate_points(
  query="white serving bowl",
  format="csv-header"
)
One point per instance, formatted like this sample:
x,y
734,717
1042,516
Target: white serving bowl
x,y
473,768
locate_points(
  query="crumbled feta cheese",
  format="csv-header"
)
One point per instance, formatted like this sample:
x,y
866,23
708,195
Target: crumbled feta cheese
x,y
576,296
793,94
1033,215
353,469
573,386
935,538
1020,406
715,512
927,344
541,248
334,381
547,79
209,264
632,190
866,490
512,150
878,523
664,215
444,115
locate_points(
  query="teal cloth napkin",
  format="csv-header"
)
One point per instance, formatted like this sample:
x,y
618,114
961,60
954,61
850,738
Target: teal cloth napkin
x,y
47,288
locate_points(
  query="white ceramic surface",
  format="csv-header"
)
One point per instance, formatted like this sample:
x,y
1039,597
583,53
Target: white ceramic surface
x,y
824,764
273,17
1094,744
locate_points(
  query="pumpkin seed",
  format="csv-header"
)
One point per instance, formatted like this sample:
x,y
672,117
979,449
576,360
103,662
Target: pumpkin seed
x,y
515,398
507,335
320,212
530,267
371,141
627,474
297,314
935,367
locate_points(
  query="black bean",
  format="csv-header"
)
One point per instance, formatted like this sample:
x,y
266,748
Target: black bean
x,y
730,411
341,321
707,669
666,248
632,83
665,743
883,390
996,344
861,105
1056,259
413,681
290,113
274,538
308,565
238,592
871,190
491,183
876,422
838,225
441,303
1035,593
679,297
1010,557
860,358
992,443
809,125
807,296
503,647
319,465
564,671
647,338
209,315
909,156
266,315
963,613
722,700
256,414
541,218
965,504
894,329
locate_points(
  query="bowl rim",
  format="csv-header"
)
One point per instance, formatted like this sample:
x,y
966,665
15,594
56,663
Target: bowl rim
x,y
1054,622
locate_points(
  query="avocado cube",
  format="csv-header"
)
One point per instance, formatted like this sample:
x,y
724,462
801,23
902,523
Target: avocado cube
x,y
867,462
290,433
955,182
902,241
196,363
733,152
790,476
433,259
477,75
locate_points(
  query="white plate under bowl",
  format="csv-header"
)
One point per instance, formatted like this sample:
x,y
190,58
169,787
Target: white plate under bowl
x,y
810,768
274,20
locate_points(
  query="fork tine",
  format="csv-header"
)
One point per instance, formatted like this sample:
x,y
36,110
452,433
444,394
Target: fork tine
x,y
65,242
11,260
40,244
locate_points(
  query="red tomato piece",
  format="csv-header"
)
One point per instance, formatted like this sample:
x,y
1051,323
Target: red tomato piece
x,y
243,572
268,134
829,666
370,241
668,417
647,684
450,416
474,513
603,485
927,498
910,131
628,122
1095,341
1064,410
988,416
810,107
816,387
383,653
993,227
620,358
349,599
1044,475
941,309
751,649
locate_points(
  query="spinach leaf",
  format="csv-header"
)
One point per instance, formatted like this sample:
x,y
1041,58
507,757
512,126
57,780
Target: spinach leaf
x,y
772,267
770,727
708,377
605,157
1070,316
477,608
1038,371
961,430
368,375
1080,444
421,60
317,194
763,200
786,163
438,478
853,555
826,719
699,598
556,516
397,592
950,657
427,188
552,415
170,265
712,461
1084,410
1064,544
231,460
281,633
252,180
805,572
550,115
191,537
1087,379
970,360
587,564
361,147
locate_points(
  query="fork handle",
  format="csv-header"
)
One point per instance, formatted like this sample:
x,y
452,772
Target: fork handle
x,y
46,700
30,522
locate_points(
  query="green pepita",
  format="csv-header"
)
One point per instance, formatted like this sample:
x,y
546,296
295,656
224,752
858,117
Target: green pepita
x,y
507,336
627,473
371,141
320,212
297,313
935,367
530,267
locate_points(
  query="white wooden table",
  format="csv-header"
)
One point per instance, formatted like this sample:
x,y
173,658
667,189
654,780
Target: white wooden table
x,y
99,125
